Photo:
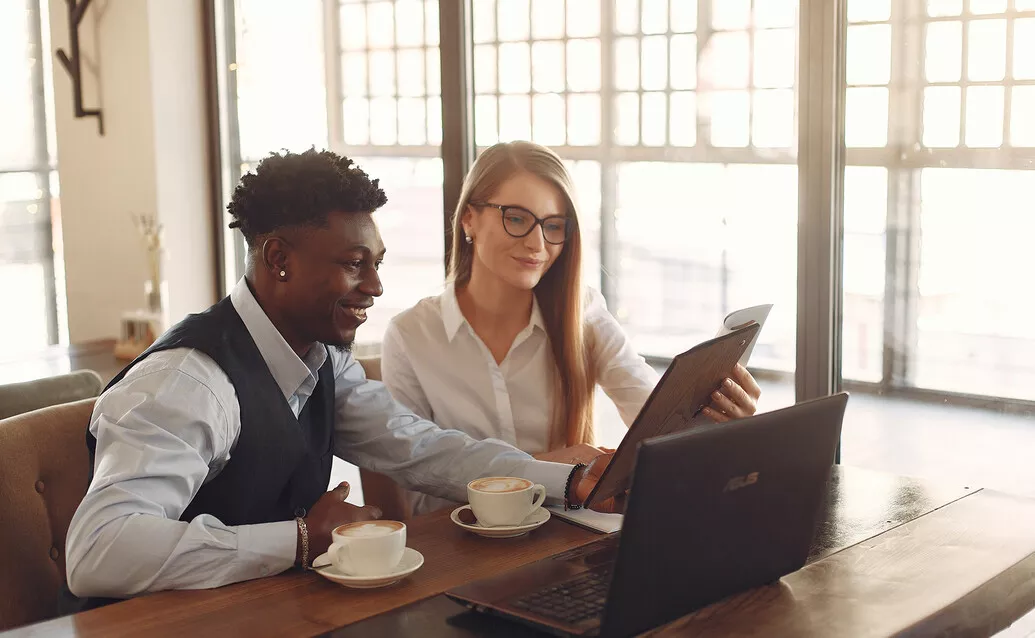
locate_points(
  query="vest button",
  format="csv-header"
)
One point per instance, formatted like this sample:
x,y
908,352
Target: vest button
x,y
53,553
39,486
300,512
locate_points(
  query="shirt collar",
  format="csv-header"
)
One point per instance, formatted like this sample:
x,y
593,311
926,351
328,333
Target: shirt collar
x,y
289,371
453,318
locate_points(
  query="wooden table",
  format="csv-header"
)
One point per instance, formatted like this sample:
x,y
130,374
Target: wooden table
x,y
894,556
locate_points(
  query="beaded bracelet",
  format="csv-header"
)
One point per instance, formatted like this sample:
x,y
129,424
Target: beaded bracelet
x,y
568,505
305,542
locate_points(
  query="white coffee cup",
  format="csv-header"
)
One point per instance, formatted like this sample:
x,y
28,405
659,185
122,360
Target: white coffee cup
x,y
367,548
504,500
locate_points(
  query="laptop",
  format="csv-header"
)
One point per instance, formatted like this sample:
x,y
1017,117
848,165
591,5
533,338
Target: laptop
x,y
712,511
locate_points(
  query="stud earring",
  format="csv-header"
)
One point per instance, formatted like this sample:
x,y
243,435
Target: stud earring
x,y
469,239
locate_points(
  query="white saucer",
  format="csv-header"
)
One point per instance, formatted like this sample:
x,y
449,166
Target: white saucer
x,y
532,521
411,562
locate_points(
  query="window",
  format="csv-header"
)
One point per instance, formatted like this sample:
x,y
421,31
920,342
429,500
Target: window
x,y
30,258
938,196
666,111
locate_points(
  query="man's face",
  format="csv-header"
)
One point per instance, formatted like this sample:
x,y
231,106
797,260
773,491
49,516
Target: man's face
x,y
333,278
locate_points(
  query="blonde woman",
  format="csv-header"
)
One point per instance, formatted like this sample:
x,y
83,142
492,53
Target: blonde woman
x,y
515,346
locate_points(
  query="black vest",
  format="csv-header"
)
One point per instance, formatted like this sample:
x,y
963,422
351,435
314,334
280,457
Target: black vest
x,y
280,465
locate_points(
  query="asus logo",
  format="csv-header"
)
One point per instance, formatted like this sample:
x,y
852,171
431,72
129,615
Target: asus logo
x,y
738,482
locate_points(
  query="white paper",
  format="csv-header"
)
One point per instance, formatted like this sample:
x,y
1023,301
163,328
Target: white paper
x,y
589,519
739,318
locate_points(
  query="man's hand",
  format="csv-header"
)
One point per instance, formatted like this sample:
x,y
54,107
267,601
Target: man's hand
x,y
329,512
586,479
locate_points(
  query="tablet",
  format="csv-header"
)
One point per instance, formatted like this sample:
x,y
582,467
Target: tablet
x,y
676,403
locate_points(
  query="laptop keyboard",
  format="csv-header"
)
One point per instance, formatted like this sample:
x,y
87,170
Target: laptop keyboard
x,y
570,602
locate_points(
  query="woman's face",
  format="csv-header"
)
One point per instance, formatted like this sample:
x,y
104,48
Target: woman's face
x,y
519,262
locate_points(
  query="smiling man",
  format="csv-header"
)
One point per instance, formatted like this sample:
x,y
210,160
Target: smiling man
x,y
212,451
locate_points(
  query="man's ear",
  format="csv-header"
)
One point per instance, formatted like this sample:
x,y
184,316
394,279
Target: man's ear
x,y
275,257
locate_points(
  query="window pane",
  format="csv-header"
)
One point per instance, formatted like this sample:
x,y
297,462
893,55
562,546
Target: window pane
x,y
942,116
627,18
583,18
968,340
354,74
866,117
654,62
515,74
627,66
411,72
684,16
485,120
869,54
772,123
984,116
987,6
627,132
655,16
774,59
942,8
731,14
684,62
682,126
869,10
584,65
382,73
547,66
409,22
434,68
728,112
944,51
485,68
431,22
380,24
987,50
1024,49
865,224
771,14
484,20
725,61
547,19
1024,5
583,120
353,26
383,120
412,121
655,119
355,115
434,110
1022,125
515,118
548,119
512,19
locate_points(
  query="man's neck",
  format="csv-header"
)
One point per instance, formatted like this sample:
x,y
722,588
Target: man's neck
x,y
264,297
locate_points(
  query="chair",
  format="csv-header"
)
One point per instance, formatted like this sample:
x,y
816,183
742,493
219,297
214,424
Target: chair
x,y
378,489
17,398
44,474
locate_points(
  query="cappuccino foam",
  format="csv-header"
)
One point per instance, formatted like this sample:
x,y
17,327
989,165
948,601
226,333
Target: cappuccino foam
x,y
369,529
504,484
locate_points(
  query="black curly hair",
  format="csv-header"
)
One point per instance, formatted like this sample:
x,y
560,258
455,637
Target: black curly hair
x,y
301,189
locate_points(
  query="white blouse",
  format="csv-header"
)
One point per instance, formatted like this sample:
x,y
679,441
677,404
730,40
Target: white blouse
x,y
433,362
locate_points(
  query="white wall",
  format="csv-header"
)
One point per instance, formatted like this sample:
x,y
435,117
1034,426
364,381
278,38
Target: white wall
x,y
144,70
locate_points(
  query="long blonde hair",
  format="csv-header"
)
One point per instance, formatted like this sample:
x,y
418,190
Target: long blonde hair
x,y
559,292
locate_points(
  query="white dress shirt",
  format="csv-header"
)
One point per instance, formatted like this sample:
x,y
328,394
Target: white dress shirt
x,y
171,425
433,362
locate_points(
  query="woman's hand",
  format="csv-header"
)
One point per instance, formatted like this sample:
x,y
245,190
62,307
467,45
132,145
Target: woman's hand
x,y
581,453
736,398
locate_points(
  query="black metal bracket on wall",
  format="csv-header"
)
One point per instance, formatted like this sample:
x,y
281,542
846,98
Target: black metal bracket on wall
x,y
76,9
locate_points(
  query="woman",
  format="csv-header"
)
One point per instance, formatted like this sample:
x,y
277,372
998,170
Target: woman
x,y
515,346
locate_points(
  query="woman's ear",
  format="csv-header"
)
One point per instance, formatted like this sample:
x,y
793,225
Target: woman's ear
x,y
467,220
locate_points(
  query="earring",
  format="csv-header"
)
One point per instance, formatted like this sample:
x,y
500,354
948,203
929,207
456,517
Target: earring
x,y
468,239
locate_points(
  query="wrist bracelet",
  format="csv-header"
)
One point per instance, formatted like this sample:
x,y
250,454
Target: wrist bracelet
x,y
304,532
568,505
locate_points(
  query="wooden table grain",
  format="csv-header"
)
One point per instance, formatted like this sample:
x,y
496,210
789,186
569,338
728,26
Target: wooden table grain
x,y
895,556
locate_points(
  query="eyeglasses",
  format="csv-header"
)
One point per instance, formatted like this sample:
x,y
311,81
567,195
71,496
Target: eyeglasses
x,y
518,222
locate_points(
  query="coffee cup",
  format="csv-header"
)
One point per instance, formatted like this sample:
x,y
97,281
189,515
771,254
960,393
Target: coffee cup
x,y
367,548
504,500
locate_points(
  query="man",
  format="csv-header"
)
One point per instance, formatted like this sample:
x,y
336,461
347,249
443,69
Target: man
x,y
212,451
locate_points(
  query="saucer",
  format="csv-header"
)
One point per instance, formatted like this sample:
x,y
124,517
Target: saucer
x,y
411,562
532,521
